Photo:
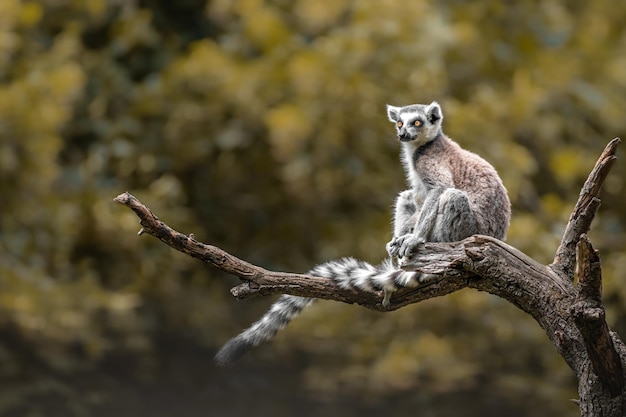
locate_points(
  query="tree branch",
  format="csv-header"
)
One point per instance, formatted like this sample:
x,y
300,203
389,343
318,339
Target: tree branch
x,y
589,317
584,211
507,272
457,262
259,281
511,274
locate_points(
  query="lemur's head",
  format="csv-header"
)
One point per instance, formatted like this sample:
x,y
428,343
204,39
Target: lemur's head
x,y
418,123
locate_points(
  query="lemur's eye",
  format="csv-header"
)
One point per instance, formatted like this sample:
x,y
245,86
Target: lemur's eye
x,y
399,124
418,123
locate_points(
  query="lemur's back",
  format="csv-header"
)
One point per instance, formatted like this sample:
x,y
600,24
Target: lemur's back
x,y
470,173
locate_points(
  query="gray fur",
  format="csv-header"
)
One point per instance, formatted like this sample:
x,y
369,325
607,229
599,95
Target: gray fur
x,y
454,194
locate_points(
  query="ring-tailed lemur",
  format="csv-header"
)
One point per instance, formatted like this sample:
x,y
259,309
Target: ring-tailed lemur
x,y
454,194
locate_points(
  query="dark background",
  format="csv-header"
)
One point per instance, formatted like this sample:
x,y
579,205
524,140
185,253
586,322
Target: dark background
x,y
261,128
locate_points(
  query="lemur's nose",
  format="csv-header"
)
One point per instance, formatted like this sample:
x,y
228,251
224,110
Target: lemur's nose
x,y
403,135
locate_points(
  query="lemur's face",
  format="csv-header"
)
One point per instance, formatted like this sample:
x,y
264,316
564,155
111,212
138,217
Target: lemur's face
x,y
417,123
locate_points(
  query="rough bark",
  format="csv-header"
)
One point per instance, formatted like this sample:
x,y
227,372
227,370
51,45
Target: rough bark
x,y
571,314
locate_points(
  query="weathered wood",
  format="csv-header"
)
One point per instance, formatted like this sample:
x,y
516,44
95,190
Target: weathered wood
x,y
589,316
257,281
584,211
458,263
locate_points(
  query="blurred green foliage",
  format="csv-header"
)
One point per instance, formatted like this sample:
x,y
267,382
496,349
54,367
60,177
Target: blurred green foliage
x,y
260,126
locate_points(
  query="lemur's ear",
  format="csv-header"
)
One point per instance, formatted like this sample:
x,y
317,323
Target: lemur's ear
x,y
393,113
434,113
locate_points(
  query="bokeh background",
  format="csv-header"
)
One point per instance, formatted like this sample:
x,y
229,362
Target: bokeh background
x,y
260,126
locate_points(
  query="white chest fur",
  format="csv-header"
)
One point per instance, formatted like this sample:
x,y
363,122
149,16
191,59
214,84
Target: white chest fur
x,y
414,179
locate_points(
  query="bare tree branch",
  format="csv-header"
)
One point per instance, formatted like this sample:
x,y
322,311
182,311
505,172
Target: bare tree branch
x,y
458,262
584,211
589,317
259,281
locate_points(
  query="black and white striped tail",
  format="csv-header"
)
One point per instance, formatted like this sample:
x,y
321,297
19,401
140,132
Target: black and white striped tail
x,y
352,273
279,315
346,272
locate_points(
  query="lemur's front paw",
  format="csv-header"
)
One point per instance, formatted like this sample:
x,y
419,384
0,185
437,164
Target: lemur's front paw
x,y
406,245
394,245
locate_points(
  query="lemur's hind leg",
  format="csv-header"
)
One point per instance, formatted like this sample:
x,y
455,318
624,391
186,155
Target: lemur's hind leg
x,y
455,219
